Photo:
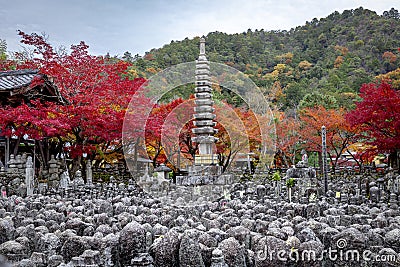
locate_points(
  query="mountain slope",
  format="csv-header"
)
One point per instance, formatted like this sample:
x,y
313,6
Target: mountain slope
x,y
331,56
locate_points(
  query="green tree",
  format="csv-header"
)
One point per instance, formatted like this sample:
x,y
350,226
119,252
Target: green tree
x,y
3,49
317,99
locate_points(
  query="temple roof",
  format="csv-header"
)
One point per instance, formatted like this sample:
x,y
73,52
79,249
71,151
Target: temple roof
x,y
16,79
18,86
162,168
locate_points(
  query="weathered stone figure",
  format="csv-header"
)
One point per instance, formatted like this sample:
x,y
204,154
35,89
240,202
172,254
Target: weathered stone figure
x,y
304,157
78,180
89,174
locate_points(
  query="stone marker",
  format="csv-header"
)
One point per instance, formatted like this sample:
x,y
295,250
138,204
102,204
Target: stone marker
x,y
29,177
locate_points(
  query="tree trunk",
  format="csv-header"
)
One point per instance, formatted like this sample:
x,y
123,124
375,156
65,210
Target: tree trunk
x,y
76,163
15,150
398,160
42,158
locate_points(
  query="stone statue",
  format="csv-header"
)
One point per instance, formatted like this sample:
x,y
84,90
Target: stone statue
x,y
304,160
64,180
3,192
78,180
304,157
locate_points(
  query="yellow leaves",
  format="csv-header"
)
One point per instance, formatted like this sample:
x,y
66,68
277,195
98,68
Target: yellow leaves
x,y
276,92
51,115
103,109
116,107
279,68
359,43
114,157
348,94
359,147
216,87
134,73
286,58
305,65
151,70
392,77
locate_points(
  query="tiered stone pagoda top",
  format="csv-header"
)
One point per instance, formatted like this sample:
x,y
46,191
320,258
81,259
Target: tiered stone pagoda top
x,y
204,112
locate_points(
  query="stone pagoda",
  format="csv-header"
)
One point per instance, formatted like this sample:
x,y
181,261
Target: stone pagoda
x,y
204,111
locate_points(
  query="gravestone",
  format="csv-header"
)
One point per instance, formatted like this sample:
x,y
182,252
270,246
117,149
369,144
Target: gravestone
x,y
53,179
42,188
19,164
64,180
324,159
374,194
3,192
217,259
29,177
142,260
393,198
89,173
12,164
396,185
78,180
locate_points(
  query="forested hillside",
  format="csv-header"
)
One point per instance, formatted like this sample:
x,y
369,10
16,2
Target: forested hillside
x,y
326,72
324,61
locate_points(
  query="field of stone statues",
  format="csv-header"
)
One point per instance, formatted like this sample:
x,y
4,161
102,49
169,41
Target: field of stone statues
x,y
252,223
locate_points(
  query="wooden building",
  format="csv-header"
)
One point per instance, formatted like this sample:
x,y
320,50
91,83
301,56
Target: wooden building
x,y
18,86
21,86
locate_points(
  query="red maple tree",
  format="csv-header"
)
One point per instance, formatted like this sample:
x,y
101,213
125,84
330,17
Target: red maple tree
x,y
156,128
97,90
377,116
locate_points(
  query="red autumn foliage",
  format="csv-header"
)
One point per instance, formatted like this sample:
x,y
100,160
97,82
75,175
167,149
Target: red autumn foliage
x,y
377,116
155,128
97,90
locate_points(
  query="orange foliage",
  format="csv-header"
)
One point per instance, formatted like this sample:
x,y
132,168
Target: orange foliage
x,y
343,50
338,130
287,136
276,92
338,62
389,56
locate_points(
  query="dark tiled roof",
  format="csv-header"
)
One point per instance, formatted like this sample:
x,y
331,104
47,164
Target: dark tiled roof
x,y
16,78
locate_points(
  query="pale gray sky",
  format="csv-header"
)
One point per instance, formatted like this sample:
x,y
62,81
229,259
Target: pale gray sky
x,y
139,25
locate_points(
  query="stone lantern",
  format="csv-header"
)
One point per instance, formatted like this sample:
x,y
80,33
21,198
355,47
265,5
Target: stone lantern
x,y
162,171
